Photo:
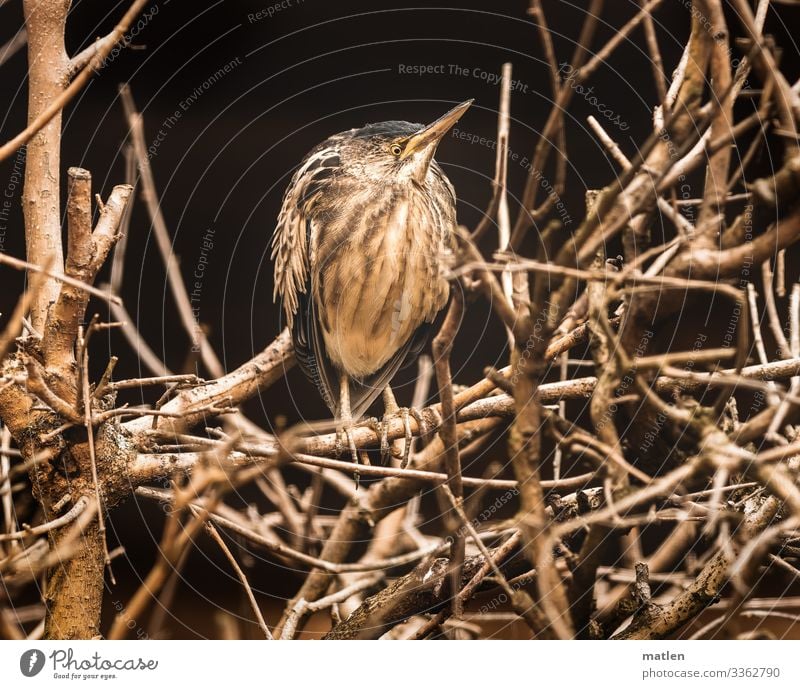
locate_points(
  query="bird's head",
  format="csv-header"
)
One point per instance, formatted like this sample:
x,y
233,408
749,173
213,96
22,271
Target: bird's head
x,y
397,150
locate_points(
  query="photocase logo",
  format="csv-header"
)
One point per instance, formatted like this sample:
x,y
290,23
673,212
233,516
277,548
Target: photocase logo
x,y
31,662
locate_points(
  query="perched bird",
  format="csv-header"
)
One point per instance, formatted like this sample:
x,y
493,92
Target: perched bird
x,y
362,241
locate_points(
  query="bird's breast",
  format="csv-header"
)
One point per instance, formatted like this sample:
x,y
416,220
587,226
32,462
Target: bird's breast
x,y
379,274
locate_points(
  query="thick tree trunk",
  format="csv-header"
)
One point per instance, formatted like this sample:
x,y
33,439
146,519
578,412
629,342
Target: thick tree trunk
x,y
75,586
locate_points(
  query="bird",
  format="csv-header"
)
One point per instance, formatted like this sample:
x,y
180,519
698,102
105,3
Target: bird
x,y
361,248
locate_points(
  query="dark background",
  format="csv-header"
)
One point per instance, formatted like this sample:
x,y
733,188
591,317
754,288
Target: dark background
x,y
310,70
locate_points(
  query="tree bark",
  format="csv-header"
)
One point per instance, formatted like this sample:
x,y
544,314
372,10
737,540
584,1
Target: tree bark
x,y
47,75
75,587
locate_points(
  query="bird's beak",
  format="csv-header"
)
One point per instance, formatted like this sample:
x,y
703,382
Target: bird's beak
x,y
426,140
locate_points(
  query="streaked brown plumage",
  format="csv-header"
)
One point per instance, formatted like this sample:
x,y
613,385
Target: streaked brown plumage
x,y
363,237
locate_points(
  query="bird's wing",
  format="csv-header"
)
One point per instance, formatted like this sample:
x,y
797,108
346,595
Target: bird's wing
x,y
290,252
291,240
309,351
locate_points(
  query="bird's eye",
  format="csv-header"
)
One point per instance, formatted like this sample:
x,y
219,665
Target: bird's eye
x,y
396,150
